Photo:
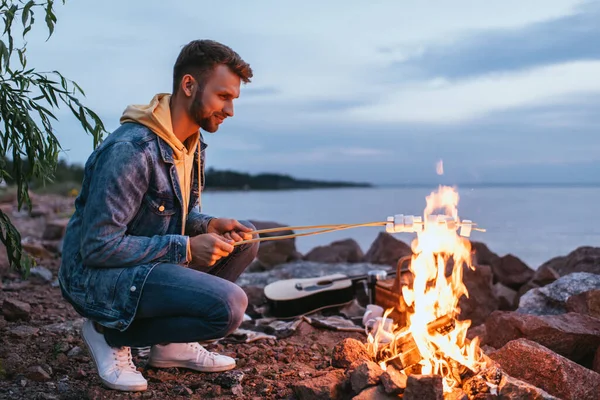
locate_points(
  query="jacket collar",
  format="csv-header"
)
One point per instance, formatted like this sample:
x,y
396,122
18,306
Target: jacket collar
x,y
166,151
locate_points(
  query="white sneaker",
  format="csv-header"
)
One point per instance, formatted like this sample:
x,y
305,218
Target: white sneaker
x,y
114,364
189,355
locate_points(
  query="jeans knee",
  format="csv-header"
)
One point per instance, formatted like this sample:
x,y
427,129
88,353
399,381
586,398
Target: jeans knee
x,y
236,303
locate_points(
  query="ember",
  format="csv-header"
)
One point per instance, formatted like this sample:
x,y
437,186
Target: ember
x,y
429,338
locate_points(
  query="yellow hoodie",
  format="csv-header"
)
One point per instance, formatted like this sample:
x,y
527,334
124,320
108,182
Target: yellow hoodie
x,y
157,117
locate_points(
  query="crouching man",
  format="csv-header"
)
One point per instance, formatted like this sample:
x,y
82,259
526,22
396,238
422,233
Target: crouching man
x,y
140,261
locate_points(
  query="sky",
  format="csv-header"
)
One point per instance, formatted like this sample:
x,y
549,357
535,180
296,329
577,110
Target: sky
x,y
379,91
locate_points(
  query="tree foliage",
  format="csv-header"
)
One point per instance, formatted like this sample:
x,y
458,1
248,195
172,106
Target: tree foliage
x,y
28,102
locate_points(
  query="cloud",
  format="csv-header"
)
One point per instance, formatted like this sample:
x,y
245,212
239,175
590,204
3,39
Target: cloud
x,y
567,38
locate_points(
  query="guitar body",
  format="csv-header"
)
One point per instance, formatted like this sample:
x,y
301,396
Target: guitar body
x,y
294,297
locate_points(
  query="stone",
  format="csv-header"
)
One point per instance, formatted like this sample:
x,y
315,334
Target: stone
x,y
482,300
506,297
387,250
75,351
55,229
349,351
547,370
552,298
485,382
328,386
12,364
36,250
511,388
545,274
276,252
374,393
482,255
571,335
511,272
42,274
587,303
478,331
37,374
365,374
66,327
582,259
229,379
424,387
14,310
340,251
393,381
456,394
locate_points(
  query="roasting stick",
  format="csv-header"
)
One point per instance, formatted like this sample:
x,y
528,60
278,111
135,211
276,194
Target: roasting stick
x,y
323,229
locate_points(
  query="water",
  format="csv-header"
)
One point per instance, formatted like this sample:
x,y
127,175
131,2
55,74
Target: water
x,y
534,224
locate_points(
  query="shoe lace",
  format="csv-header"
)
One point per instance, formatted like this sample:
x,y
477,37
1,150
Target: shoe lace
x,y
201,352
123,360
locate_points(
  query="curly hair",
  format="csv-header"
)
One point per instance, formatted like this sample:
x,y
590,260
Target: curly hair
x,y
200,57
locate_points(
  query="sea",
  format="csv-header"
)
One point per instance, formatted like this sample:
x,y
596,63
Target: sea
x,y
534,224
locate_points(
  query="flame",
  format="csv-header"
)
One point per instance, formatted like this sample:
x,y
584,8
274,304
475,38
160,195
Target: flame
x,y
439,254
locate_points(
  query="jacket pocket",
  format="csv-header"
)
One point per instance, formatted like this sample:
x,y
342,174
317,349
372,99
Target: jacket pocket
x,y
155,216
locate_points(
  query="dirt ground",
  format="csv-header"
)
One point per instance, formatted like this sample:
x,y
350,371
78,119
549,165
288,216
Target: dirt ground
x,y
45,357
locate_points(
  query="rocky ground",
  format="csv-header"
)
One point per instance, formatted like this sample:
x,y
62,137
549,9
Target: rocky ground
x,y
541,329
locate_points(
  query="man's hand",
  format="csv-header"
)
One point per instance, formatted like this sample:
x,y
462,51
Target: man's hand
x,y
230,229
209,248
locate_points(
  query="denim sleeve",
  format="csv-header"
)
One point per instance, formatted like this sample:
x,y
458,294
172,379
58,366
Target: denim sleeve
x,y
197,223
117,187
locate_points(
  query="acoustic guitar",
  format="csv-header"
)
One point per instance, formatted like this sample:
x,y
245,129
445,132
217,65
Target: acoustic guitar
x,y
290,298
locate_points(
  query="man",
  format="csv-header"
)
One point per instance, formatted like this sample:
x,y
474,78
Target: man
x,y
140,261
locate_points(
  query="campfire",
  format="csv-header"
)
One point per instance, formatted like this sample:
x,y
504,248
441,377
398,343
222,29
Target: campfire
x,y
424,335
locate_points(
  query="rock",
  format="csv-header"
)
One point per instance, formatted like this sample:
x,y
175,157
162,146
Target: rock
x,y
229,379
36,250
14,310
255,294
506,297
340,251
374,393
587,303
41,273
511,272
37,374
349,351
366,374
55,229
75,351
511,388
477,331
545,274
66,327
571,335
456,394
328,386
275,252
547,370
484,383
522,290
582,259
482,255
387,250
394,381
424,387
552,298
481,301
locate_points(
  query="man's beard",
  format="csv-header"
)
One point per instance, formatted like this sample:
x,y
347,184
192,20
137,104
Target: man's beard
x,y
200,117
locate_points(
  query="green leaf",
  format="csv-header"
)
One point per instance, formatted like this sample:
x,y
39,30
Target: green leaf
x,y
4,54
25,16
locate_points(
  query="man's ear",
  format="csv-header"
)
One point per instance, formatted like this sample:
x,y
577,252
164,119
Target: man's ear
x,y
188,84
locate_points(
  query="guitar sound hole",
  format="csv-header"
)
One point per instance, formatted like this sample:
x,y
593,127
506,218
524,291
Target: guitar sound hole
x,y
324,283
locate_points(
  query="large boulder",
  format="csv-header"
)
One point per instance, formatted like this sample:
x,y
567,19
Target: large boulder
x,y
541,367
275,252
508,269
387,250
587,303
482,300
582,259
571,335
340,251
552,298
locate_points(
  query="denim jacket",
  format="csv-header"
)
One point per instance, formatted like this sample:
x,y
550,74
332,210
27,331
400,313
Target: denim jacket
x,y
128,218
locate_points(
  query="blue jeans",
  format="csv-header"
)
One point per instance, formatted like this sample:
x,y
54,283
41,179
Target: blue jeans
x,y
180,305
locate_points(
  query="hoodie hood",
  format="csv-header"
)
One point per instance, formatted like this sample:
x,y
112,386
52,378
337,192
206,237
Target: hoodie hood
x,y
156,116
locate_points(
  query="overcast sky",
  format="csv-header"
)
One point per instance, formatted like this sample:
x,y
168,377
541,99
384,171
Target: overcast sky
x,y
379,91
